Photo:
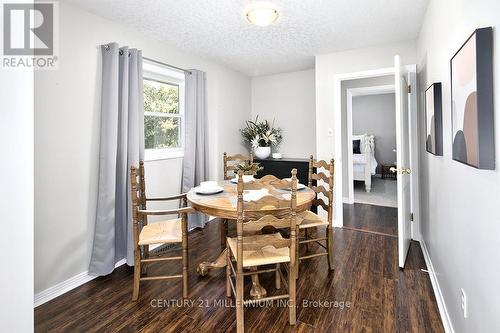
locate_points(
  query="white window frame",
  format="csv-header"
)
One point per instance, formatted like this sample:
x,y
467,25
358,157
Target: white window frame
x,y
163,74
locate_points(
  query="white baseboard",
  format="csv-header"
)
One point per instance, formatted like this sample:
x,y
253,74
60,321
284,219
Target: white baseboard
x,y
67,285
445,317
76,281
346,200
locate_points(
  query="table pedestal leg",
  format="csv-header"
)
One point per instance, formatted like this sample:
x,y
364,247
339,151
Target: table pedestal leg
x,y
206,266
257,291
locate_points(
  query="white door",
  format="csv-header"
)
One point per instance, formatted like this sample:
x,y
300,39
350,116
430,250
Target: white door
x,y
402,160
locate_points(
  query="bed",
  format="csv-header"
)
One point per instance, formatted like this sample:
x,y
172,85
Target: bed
x,y
364,164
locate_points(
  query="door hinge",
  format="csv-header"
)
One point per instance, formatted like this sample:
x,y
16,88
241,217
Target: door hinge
x,y
409,89
411,217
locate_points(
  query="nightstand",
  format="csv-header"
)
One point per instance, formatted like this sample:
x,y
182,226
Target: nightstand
x,y
386,171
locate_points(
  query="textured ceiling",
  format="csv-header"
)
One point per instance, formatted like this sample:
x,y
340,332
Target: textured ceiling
x,y
218,29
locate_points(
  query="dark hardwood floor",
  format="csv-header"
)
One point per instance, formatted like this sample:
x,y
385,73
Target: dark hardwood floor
x,y
376,219
372,294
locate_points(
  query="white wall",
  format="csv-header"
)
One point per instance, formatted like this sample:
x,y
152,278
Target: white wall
x,y
288,98
67,137
376,115
16,199
328,65
460,216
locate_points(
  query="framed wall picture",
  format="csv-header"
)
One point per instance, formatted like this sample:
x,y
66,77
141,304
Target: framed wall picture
x,y
472,101
434,120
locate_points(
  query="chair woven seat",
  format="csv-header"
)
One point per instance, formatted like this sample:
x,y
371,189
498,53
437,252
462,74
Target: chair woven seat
x,y
266,255
168,231
308,219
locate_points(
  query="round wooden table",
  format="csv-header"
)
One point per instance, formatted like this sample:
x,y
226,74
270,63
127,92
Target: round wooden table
x,y
223,205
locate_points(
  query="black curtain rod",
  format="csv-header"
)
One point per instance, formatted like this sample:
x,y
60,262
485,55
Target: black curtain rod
x,y
164,64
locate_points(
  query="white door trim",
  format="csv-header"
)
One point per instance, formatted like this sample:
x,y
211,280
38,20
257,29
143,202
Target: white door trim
x,y
414,153
337,113
352,92
350,176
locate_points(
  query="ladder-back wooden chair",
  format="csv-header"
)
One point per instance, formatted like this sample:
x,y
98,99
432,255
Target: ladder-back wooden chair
x,y
308,220
230,162
163,232
251,248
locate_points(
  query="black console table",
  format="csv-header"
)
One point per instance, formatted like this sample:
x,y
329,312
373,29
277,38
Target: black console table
x,y
282,168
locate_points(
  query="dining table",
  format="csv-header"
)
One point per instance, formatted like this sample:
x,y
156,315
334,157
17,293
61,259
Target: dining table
x,y
223,205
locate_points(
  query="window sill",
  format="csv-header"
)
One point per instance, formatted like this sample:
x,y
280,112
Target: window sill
x,y
162,154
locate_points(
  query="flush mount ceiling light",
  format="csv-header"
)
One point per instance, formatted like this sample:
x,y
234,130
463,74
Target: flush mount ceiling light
x,y
262,15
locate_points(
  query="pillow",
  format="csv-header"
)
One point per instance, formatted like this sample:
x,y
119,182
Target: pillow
x,y
361,139
356,146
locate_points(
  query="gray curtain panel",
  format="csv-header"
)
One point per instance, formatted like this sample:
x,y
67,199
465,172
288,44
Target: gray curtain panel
x,y
121,146
195,164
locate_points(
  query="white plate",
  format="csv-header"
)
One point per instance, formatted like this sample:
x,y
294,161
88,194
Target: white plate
x,y
235,180
299,187
254,195
206,191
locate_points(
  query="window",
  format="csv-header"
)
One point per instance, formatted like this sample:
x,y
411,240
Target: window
x,y
161,115
163,112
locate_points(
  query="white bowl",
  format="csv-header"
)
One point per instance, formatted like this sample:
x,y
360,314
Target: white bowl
x,y
277,155
208,184
247,178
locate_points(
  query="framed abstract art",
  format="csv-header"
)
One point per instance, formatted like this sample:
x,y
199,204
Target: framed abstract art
x,y
472,101
434,120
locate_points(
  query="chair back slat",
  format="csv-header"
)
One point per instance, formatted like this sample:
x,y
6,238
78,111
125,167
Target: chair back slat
x,y
321,176
237,157
266,221
323,190
321,164
142,192
254,185
325,173
267,179
230,162
254,215
134,185
322,203
282,184
267,202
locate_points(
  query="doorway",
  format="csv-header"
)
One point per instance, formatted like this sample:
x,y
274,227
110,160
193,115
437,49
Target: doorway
x,y
371,204
371,143
403,79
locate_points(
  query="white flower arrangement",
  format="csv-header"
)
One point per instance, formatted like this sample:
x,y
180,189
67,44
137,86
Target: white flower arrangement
x,y
261,134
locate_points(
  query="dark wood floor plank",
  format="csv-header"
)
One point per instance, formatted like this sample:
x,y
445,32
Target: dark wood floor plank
x,y
367,292
373,218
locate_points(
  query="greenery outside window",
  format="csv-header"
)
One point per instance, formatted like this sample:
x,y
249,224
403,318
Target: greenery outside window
x,y
163,112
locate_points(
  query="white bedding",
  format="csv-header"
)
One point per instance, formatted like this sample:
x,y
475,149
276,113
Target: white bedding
x,y
364,169
359,159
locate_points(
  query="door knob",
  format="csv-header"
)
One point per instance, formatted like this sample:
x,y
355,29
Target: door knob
x,y
403,171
